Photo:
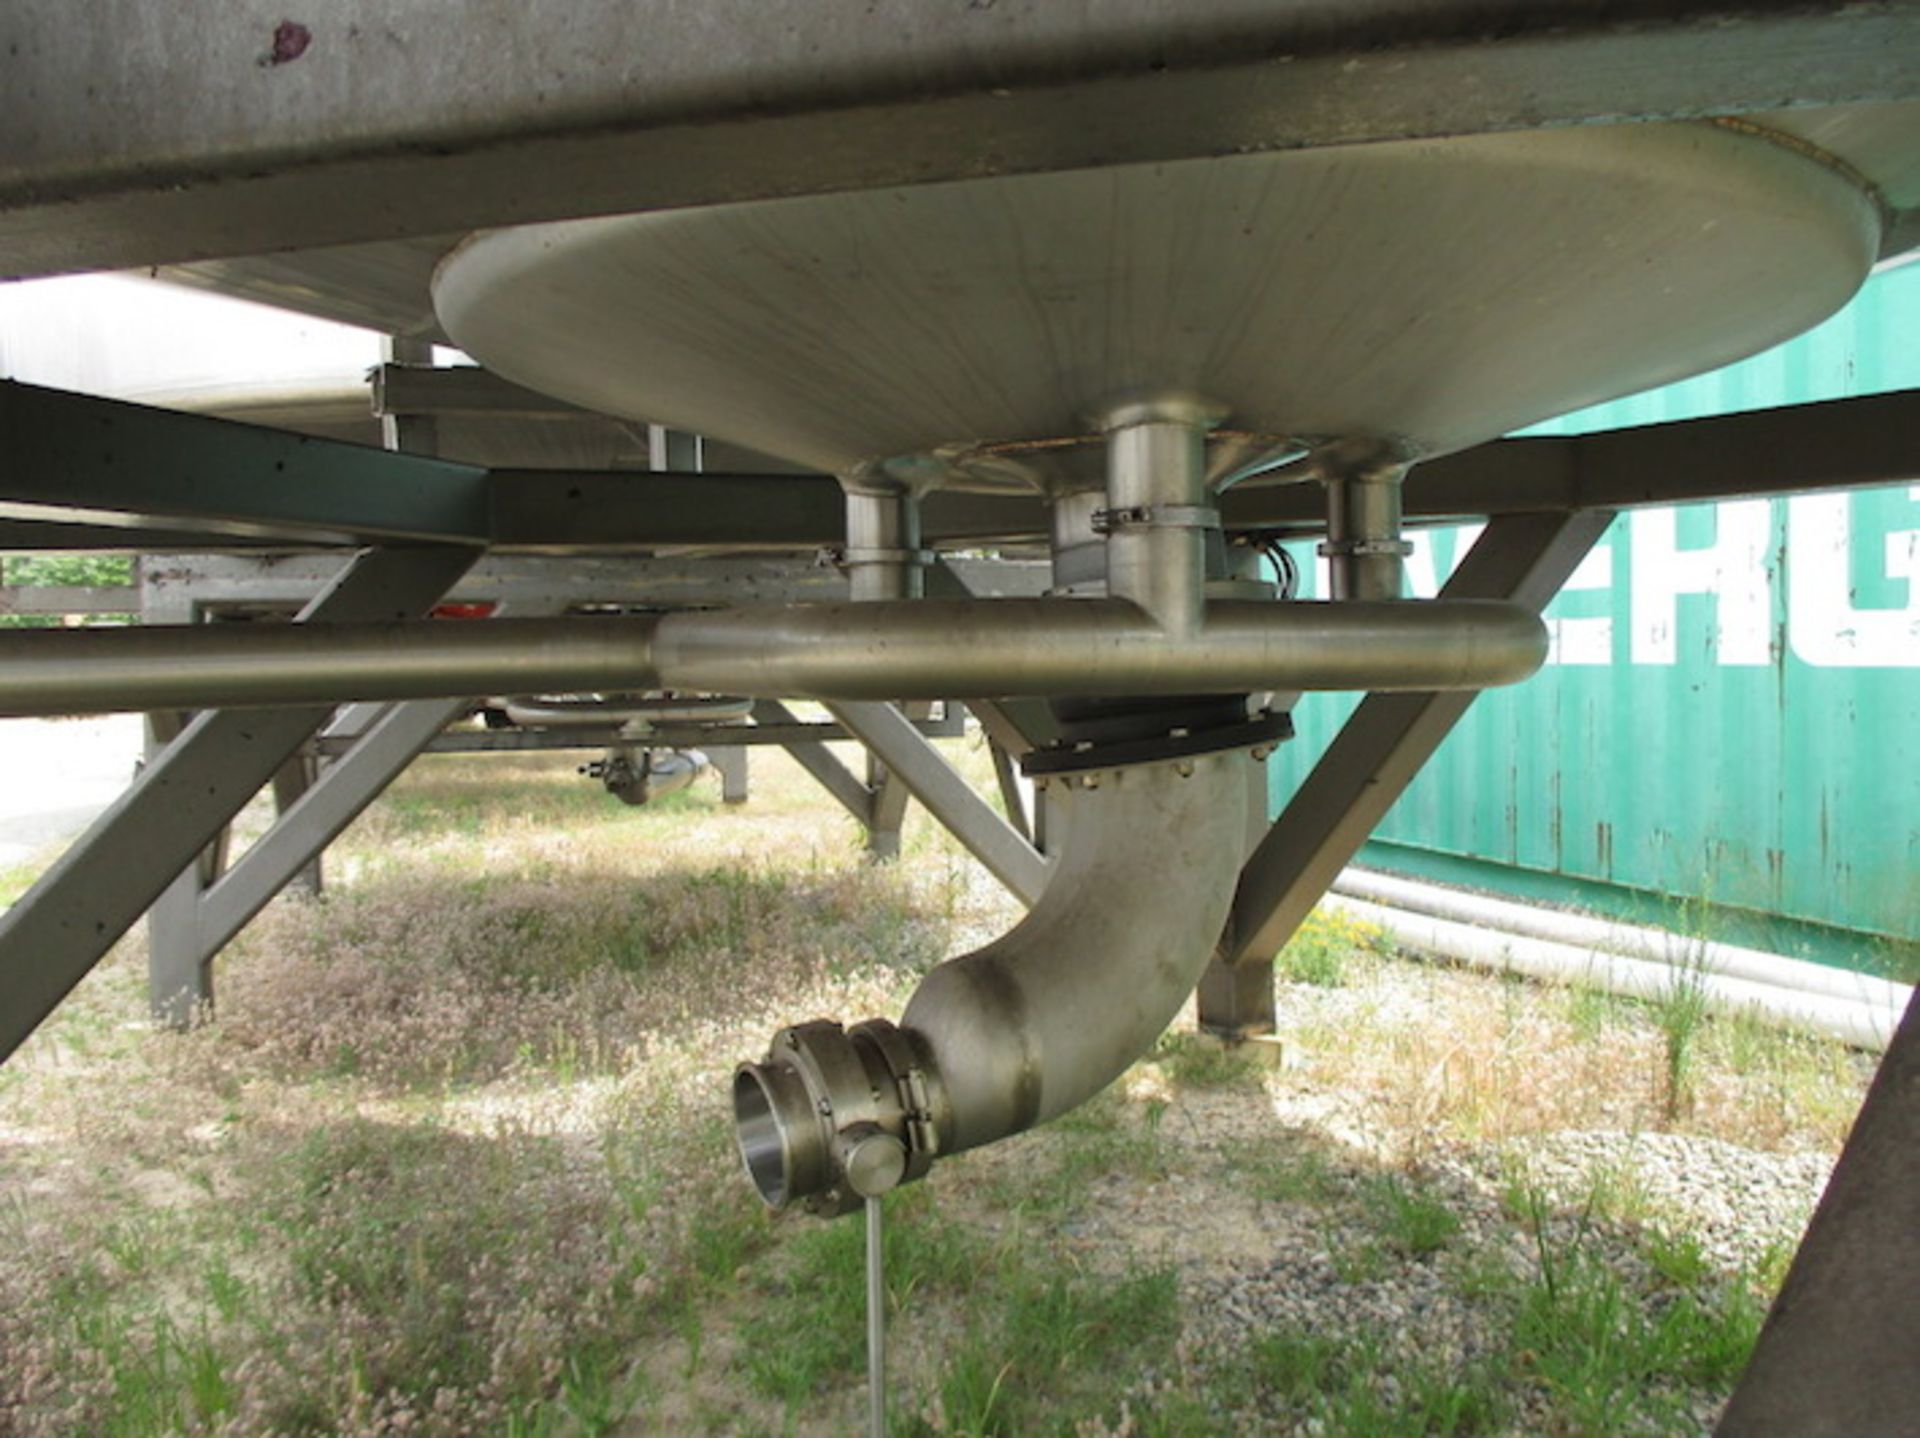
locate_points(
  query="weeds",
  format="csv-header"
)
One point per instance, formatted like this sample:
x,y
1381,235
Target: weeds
x,y
1322,951
1196,1060
1413,1221
1680,1011
454,1159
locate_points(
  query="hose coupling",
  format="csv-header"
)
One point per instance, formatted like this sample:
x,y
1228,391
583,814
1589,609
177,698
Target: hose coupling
x,y
834,1116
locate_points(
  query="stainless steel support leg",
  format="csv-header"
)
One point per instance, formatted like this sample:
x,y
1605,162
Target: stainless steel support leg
x,y
883,560
1007,775
1235,1002
293,779
1841,1348
176,807
1524,558
732,763
948,797
1015,727
1364,551
888,810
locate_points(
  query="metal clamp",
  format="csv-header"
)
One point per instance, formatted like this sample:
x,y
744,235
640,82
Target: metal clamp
x,y
1156,516
834,1116
1336,548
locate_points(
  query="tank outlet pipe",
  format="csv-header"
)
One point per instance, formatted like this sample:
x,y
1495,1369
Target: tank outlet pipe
x,y
1006,1037
906,650
1158,510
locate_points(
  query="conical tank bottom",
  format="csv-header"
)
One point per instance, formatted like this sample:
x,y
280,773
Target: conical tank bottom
x,y
1423,295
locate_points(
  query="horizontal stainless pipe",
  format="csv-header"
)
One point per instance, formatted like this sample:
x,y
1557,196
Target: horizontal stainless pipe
x,y
921,649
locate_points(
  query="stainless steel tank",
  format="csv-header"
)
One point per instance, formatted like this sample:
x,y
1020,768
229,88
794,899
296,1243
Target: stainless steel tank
x,y
1422,296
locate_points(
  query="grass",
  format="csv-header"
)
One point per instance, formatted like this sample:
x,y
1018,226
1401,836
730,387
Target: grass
x,y
1413,1221
1325,950
455,1158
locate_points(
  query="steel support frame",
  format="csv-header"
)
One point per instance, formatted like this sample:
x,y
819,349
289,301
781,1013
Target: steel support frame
x,y
208,904
1522,558
924,772
86,473
178,805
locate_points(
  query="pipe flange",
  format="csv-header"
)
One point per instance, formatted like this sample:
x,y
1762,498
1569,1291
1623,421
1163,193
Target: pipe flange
x,y
1259,733
1337,548
834,1116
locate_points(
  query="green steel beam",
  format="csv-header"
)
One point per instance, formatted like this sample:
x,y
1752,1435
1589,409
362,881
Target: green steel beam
x,y
73,458
1834,444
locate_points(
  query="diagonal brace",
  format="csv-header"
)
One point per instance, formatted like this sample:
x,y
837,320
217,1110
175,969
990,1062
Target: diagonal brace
x,y
178,805
820,761
949,798
1523,558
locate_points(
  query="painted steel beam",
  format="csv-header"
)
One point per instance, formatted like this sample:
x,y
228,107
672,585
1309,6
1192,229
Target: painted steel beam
x,y
584,510
147,135
1840,1348
670,736
1523,558
1834,444
423,388
890,735
75,458
177,806
29,535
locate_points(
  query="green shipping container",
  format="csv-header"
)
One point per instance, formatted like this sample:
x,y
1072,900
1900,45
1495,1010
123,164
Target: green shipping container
x,y
1729,725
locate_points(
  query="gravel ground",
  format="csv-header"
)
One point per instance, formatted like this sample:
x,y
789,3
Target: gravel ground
x,y
1253,1264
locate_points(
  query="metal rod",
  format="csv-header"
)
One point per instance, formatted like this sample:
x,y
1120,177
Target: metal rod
x,y
922,649
876,1323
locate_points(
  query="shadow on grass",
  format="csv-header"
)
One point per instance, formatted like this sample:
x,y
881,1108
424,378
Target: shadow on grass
x,y
413,975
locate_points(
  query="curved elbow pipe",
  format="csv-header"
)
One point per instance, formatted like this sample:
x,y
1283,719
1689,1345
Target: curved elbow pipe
x,y
1028,1027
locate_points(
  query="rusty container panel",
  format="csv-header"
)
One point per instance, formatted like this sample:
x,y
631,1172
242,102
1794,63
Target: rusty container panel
x,y
1731,714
